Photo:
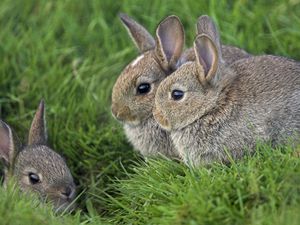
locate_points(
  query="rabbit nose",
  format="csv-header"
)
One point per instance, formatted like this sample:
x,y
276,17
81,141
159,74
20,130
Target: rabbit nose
x,y
68,192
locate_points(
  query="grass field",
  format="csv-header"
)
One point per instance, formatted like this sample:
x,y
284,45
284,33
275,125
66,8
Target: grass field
x,y
71,52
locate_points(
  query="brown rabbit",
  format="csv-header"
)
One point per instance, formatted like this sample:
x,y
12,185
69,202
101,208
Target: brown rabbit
x,y
36,168
212,109
134,91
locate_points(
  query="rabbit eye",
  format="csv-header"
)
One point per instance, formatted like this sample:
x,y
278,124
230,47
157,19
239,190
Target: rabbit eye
x,y
143,88
33,178
177,95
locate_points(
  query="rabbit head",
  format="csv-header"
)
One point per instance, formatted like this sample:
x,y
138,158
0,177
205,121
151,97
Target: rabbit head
x,y
193,90
134,91
37,168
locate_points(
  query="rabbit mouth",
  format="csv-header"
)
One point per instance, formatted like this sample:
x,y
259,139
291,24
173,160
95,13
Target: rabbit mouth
x,y
66,206
62,204
161,120
125,116
131,119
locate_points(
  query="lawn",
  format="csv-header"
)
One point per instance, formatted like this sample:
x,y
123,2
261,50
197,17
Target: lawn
x,y
71,52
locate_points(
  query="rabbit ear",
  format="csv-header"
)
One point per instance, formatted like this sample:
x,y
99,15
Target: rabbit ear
x,y
7,148
169,42
141,37
38,130
206,58
205,25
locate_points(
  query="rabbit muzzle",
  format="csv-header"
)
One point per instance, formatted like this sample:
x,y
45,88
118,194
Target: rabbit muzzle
x,y
62,197
123,114
161,119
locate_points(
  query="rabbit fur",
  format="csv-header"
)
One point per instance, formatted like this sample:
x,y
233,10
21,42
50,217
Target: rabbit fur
x,y
37,168
225,109
159,57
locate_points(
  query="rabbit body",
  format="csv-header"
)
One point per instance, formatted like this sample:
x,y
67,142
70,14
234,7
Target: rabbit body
x,y
133,106
212,109
159,57
150,139
260,103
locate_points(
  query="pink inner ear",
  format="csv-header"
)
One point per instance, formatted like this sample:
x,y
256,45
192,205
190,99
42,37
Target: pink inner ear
x,y
171,38
206,57
167,45
6,145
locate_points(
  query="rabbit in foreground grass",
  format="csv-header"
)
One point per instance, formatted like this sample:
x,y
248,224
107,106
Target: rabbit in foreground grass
x,y
212,109
134,91
36,168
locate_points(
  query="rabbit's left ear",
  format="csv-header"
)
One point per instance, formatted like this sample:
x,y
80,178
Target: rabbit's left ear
x,y
169,42
205,25
7,148
140,36
38,130
207,59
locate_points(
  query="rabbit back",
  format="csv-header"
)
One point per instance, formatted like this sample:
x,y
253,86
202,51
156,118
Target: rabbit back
x,y
270,94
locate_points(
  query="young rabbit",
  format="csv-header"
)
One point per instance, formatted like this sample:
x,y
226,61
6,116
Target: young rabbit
x,y
134,91
36,168
212,109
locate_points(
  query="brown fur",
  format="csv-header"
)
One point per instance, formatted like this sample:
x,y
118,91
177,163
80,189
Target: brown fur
x,y
56,182
256,98
152,66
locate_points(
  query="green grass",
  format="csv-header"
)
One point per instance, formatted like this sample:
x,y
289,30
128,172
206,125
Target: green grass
x,y
264,189
71,52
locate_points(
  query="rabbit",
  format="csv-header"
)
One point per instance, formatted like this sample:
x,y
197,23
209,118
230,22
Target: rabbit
x,y
134,91
217,113
37,168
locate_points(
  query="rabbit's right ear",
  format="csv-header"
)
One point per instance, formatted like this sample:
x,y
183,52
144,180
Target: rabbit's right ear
x,y
206,59
38,130
7,148
206,26
141,37
169,42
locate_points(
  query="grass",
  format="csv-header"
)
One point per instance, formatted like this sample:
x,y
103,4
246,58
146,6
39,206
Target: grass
x,y
71,52
253,191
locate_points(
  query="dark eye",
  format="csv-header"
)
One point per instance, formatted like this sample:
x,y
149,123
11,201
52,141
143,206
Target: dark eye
x,y
143,88
34,178
177,95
